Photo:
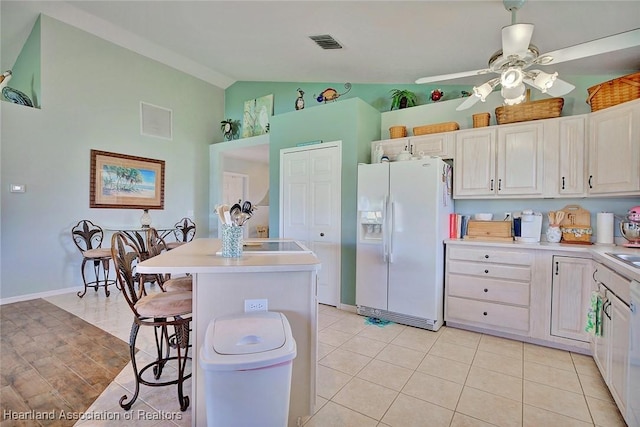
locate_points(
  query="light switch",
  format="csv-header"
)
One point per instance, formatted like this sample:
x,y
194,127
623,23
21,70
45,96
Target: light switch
x,y
18,188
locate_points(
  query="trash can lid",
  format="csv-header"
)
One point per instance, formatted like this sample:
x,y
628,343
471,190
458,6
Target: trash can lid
x,y
247,341
248,333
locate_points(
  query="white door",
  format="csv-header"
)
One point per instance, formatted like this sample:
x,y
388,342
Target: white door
x,y
310,184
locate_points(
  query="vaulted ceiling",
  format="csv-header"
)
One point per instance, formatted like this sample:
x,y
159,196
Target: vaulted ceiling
x,y
383,41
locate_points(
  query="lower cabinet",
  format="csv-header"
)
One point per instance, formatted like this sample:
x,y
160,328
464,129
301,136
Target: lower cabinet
x,y
570,296
611,348
488,288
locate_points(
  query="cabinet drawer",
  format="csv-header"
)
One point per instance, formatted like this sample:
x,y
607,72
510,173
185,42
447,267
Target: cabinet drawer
x,y
488,289
490,255
494,271
487,313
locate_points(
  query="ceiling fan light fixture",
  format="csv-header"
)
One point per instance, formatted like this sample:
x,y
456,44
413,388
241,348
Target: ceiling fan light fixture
x,y
485,89
513,95
544,81
511,78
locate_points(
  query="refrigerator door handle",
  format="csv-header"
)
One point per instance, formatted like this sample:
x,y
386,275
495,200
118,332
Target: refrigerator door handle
x,y
385,252
391,228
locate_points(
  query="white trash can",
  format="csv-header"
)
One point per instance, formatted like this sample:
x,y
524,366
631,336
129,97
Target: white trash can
x,y
247,361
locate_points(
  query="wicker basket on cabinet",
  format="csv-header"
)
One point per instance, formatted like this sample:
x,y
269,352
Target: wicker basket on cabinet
x,y
614,92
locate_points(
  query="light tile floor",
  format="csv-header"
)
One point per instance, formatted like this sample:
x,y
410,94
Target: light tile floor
x,y
397,375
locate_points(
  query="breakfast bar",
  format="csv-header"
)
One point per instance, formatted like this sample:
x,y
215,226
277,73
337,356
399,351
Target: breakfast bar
x,y
281,271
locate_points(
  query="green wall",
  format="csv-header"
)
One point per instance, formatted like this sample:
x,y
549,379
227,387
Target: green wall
x,y
92,92
351,121
26,70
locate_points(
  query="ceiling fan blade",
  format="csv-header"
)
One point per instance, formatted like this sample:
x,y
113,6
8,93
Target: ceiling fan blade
x,y
595,47
560,87
468,103
516,39
451,76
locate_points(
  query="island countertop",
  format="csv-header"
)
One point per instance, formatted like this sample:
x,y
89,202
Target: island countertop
x,y
199,256
283,274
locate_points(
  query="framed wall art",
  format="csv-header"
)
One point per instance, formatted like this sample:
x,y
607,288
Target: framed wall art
x,y
255,118
123,181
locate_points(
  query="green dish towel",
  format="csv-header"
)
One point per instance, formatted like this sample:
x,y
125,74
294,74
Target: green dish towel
x,y
594,316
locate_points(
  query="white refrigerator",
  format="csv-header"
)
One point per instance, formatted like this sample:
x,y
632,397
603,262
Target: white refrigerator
x,y
403,218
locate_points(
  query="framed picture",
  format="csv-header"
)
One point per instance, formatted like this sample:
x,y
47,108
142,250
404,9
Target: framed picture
x,y
128,182
255,118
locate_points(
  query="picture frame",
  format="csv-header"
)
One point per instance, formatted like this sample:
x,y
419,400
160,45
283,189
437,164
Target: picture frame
x,y
121,181
256,116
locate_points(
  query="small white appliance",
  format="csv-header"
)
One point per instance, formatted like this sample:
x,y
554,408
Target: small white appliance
x,y
530,227
403,219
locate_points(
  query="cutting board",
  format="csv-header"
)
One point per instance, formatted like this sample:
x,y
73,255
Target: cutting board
x,y
575,215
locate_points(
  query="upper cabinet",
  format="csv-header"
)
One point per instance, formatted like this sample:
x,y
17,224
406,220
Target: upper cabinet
x,y
564,157
614,151
507,161
437,144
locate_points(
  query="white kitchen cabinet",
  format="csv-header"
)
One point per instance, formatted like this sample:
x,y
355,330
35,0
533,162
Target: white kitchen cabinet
x,y
570,296
437,145
503,162
614,150
475,163
565,156
488,288
611,349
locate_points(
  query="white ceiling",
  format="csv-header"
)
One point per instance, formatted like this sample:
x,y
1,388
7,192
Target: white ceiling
x,y
384,41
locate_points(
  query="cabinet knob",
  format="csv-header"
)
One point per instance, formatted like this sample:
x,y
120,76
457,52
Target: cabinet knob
x,y
486,290
321,234
486,256
485,313
486,271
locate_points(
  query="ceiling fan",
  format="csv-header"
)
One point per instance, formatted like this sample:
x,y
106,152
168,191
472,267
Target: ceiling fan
x,y
512,62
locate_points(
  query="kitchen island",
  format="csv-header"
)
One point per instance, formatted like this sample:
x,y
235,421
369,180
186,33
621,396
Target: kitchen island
x,y
283,273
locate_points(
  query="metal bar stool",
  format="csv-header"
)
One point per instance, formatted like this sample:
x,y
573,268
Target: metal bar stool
x,y
162,311
184,232
87,237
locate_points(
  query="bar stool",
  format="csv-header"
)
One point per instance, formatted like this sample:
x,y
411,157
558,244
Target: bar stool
x,y
184,231
87,237
156,245
160,310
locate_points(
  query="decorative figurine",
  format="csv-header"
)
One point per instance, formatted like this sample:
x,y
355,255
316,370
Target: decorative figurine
x,y
436,95
330,94
300,100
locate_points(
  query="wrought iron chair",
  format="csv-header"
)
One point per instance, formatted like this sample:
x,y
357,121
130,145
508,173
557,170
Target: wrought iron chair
x,y
88,237
184,231
156,245
160,310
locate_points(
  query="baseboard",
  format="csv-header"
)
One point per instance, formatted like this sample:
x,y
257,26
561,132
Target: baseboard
x,y
349,308
46,294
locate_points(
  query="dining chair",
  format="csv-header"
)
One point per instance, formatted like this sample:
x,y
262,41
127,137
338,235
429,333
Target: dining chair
x,y
156,245
88,237
160,310
184,231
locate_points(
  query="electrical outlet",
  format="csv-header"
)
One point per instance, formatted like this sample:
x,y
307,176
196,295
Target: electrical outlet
x,y
255,305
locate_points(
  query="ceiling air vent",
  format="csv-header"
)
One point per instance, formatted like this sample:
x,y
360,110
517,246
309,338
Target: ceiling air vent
x,y
325,41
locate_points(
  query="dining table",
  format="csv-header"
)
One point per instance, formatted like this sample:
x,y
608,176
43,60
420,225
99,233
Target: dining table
x,y
282,272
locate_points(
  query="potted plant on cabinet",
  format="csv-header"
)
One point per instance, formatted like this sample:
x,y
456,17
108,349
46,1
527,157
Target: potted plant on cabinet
x,y
230,128
403,99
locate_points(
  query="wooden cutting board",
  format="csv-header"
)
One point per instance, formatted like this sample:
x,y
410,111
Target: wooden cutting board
x,y
575,215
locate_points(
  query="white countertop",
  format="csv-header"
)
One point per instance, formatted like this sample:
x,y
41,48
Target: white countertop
x,y
199,256
597,252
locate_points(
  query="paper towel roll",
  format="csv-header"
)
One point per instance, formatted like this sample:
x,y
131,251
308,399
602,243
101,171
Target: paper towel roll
x,y
604,228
